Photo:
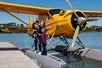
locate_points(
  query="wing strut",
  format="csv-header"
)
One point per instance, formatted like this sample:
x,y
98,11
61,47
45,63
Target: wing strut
x,y
53,34
50,38
30,25
64,40
15,17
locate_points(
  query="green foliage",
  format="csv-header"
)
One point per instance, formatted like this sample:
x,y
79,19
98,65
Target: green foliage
x,y
12,28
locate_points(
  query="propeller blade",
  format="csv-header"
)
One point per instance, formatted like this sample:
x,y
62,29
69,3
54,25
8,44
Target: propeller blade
x,y
75,36
71,7
92,19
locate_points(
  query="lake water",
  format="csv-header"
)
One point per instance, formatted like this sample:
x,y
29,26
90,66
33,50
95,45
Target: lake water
x,y
90,40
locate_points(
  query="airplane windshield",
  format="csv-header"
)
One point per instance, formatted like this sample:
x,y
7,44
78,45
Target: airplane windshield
x,y
54,11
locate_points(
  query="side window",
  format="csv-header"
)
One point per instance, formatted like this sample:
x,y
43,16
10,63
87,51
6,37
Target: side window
x,y
54,11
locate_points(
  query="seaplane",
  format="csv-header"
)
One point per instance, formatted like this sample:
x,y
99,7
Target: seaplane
x,y
60,23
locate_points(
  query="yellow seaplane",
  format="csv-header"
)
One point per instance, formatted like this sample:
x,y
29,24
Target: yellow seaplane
x,y
65,24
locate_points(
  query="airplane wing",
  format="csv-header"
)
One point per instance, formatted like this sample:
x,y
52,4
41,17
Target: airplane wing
x,y
18,8
92,13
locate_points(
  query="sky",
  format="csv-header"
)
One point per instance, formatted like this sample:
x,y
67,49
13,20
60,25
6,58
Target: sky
x,y
77,4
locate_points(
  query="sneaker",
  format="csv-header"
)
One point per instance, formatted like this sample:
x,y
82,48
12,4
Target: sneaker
x,y
37,51
34,51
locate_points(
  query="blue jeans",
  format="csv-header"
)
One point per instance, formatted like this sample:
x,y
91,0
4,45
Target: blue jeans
x,y
44,52
37,43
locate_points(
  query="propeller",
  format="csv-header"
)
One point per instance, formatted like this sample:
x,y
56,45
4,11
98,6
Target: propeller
x,y
71,7
92,19
79,20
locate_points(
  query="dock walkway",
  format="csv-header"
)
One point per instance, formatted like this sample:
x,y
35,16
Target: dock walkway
x,y
11,57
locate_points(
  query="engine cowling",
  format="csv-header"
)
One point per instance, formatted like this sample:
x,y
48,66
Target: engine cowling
x,y
64,24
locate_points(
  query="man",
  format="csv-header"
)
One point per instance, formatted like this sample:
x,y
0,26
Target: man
x,y
36,35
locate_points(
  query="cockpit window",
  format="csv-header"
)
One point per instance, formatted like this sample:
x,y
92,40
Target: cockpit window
x,y
54,11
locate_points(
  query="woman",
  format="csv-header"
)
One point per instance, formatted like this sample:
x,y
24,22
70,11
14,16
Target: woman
x,y
44,39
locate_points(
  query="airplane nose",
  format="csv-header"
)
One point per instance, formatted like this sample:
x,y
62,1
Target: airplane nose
x,y
81,20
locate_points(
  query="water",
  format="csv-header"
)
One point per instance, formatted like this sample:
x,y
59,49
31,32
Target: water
x,y
21,40
90,39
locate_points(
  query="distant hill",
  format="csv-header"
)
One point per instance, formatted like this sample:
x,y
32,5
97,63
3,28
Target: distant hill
x,y
94,28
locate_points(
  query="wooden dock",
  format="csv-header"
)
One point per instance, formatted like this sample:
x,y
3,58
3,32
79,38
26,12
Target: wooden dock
x,y
11,57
